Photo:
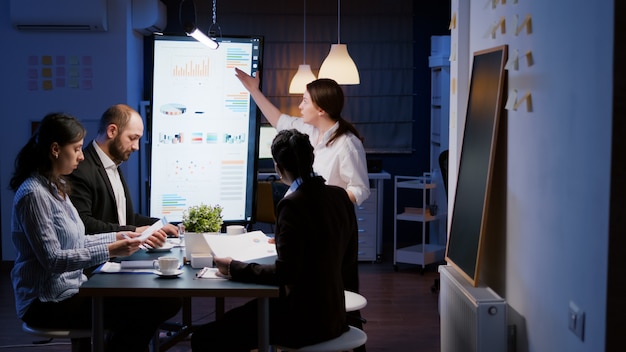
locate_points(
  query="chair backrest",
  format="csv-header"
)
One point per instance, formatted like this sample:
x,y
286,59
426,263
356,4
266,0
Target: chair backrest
x,y
265,203
443,166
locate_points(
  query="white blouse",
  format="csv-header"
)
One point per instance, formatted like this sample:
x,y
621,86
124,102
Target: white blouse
x,y
341,164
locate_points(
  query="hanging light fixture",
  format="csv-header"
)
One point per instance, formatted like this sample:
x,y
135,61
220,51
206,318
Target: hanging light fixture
x,y
338,65
304,74
196,33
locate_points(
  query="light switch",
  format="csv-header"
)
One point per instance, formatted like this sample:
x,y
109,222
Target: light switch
x,y
576,320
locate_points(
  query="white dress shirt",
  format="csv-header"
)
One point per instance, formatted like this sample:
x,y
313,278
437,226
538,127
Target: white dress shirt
x,y
116,183
341,164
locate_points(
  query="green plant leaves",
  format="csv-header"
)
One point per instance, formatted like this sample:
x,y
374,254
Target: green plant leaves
x,y
203,218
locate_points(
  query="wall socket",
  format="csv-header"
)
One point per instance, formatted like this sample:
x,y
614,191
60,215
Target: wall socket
x,y
576,321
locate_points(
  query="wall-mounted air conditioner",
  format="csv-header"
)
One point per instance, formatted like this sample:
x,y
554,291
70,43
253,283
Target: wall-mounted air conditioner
x,y
149,16
59,15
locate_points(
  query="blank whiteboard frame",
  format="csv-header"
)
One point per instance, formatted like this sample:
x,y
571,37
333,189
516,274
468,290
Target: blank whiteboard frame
x,y
471,205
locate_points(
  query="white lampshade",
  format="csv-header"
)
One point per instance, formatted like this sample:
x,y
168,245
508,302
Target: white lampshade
x,y
303,77
339,66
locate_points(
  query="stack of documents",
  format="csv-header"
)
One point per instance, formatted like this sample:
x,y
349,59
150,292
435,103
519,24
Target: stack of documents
x,y
130,266
247,247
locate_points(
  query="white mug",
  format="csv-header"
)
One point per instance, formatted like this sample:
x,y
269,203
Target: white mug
x,y
166,265
235,229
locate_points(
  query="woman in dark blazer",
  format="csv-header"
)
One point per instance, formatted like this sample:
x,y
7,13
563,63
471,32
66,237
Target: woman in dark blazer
x,y
316,242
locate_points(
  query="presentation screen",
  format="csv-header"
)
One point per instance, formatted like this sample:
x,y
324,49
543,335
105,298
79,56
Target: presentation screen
x,y
204,127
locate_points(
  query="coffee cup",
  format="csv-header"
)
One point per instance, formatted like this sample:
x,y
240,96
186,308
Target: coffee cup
x,y
166,265
235,229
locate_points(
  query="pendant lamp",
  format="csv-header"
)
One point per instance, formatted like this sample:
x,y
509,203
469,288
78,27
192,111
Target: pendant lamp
x,y
195,32
338,65
304,75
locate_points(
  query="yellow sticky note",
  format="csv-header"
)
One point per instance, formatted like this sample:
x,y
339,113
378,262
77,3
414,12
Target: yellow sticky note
x,y
452,22
502,25
529,58
46,85
453,53
453,86
46,60
511,100
513,62
526,23
46,72
527,97
491,31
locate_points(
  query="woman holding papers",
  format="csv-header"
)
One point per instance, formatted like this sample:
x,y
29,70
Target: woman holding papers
x,y
316,244
339,152
52,248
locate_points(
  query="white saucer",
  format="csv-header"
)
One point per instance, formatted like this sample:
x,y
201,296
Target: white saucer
x,y
165,248
175,274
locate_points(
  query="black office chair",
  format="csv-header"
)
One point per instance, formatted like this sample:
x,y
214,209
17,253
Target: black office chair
x,y
443,167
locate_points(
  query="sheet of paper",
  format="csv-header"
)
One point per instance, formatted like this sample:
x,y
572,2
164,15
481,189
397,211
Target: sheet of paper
x,y
245,247
209,273
152,229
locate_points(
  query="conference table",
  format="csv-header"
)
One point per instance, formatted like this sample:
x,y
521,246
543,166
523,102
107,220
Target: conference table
x,y
102,285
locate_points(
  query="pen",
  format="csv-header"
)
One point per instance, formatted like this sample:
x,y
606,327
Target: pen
x,y
201,272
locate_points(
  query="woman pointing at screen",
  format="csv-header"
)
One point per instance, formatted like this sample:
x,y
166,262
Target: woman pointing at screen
x,y
338,147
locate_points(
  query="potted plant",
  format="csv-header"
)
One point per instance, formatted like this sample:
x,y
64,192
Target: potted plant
x,y
203,218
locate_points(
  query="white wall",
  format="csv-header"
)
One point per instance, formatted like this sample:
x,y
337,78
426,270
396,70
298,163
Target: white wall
x,y
117,77
557,164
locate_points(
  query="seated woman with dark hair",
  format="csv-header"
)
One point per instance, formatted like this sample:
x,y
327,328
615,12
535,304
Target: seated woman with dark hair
x,y
52,248
316,243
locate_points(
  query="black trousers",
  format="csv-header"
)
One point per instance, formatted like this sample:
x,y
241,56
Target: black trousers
x,y
131,321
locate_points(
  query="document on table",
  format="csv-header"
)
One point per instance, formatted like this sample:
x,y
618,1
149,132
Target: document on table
x,y
209,273
128,267
246,247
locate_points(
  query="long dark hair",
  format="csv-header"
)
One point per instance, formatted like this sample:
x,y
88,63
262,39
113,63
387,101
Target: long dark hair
x,y
35,155
328,95
292,151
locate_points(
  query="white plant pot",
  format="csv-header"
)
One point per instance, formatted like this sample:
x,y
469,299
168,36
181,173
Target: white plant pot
x,y
196,244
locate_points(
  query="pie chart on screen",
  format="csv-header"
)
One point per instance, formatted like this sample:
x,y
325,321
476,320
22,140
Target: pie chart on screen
x,y
173,109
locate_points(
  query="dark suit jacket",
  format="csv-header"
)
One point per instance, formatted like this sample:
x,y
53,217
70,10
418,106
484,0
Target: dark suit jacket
x,y
93,197
316,240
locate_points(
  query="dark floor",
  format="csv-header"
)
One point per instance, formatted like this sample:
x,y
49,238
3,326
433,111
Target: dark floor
x,y
401,313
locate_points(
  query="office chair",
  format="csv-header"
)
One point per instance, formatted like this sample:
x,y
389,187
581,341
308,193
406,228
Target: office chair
x,y
443,167
265,211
